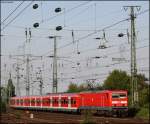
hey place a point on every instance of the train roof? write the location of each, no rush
(71, 94)
(51, 94)
(103, 91)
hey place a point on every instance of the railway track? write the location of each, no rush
(23, 117)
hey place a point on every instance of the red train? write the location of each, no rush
(107, 101)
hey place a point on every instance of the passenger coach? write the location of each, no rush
(107, 102)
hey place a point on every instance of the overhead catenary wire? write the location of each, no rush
(66, 11)
(105, 28)
(104, 55)
(12, 12)
(144, 11)
(84, 37)
(108, 65)
(93, 49)
(16, 16)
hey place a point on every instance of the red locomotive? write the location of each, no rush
(107, 101)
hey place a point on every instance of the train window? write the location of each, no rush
(118, 95)
(53, 101)
(21, 101)
(28, 101)
(65, 101)
(48, 101)
(61, 101)
(44, 101)
(56, 101)
(73, 101)
(115, 95)
(33, 101)
(17, 101)
(38, 101)
(122, 95)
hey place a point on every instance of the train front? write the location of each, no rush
(119, 102)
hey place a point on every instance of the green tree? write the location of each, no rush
(3, 99)
(4, 94)
(82, 87)
(10, 89)
(118, 80)
(73, 88)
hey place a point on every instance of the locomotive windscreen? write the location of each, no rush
(119, 95)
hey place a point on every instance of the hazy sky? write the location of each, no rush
(84, 18)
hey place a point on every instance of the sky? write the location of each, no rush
(87, 20)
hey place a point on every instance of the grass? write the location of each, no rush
(87, 117)
(143, 113)
(18, 116)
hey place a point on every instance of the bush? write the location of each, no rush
(143, 113)
(87, 117)
(3, 106)
(18, 116)
(132, 111)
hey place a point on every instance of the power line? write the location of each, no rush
(17, 15)
(142, 12)
(117, 52)
(93, 49)
(106, 66)
(82, 11)
(107, 27)
(111, 54)
(67, 11)
(12, 11)
(84, 37)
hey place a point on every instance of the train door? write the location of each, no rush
(51, 101)
(69, 102)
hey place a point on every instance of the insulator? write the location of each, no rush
(35, 6)
(26, 32)
(78, 52)
(87, 64)
(97, 57)
(72, 36)
(120, 35)
(78, 63)
(29, 32)
(128, 35)
(97, 38)
(104, 35)
(58, 9)
(35, 25)
(58, 28)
